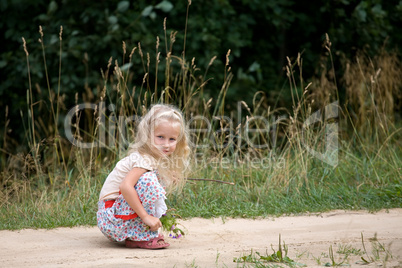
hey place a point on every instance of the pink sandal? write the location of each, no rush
(151, 244)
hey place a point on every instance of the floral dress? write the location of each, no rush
(118, 221)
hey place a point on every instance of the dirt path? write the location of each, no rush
(211, 242)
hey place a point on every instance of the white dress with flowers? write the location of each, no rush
(118, 221)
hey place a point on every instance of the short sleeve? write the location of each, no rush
(110, 188)
(141, 161)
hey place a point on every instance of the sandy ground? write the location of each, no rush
(213, 242)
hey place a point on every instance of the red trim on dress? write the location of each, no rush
(109, 204)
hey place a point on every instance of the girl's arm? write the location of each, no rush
(131, 196)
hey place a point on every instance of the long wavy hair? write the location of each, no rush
(172, 168)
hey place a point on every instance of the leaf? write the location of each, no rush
(112, 19)
(267, 258)
(279, 254)
(123, 6)
(165, 6)
(43, 17)
(52, 7)
(147, 11)
(115, 27)
(254, 67)
(54, 39)
(152, 15)
(363, 259)
(361, 14)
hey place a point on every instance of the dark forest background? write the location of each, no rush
(259, 33)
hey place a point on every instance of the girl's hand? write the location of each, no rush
(153, 222)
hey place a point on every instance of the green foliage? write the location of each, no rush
(255, 194)
(335, 263)
(261, 195)
(379, 252)
(171, 225)
(260, 34)
(279, 256)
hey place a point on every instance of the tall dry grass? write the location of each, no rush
(52, 169)
(373, 92)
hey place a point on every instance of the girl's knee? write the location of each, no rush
(149, 176)
(148, 188)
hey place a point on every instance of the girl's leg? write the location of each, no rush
(149, 190)
(119, 222)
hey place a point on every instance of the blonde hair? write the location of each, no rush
(172, 168)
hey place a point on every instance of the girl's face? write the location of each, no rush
(165, 136)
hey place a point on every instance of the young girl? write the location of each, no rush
(132, 198)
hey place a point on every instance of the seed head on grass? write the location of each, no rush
(212, 60)
(140, 50)
(24, 43)
(41, 31)
(327, 42)
(132, 53)
(227, 58)
(124, 48)
(61, 33)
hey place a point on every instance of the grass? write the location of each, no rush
(280, 256)
(378, 254)
(250, 197)
(335, 263)
(52, 183)
(259, 194)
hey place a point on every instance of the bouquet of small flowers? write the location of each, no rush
(170, 224)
